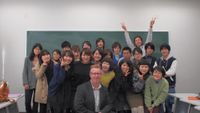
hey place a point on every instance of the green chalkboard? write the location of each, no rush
(51, 40)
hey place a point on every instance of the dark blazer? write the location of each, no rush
(84, 99)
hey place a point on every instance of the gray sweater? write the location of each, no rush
(28, 74)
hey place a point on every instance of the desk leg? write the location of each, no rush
(3, 110)
(13, 108)
(174, 106)
(181, 107)
(189, 108)
(193, 110)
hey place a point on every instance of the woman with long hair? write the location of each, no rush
(29, 79)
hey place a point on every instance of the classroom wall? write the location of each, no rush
(180, 18)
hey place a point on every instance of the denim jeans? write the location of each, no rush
(169, 101)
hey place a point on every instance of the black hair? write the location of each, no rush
(165, 45)
(100, 39)
(116, 44)
(57, 51)
(32, 54)
(126, 49)
(110, 61)
(143, 62)
(160, 69)
(86, 51)
(137, 49)
(88, 43)
(139, 38)
(70, 54)
(149, 44)
(66, 44)
(43, 52)
(76, 48)
(49, 70)
(108, 52)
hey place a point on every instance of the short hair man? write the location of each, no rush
(92, 97)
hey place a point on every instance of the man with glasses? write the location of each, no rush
(92, 97)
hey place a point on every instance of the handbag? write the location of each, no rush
(4, 91)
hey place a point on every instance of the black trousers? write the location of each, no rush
(43, 108)
(30, 96)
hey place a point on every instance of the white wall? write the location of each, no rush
(180, 18)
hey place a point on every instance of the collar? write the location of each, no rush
(96, 88)
(158, 81)
(169, 56)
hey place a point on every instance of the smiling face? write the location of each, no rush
(157, 75)
(85, 58)
(67, 59)
(56, 56)
(46, 58)
(97, 56)
(95, 75)
(125, 68)
(36, 51)
(105, 67)
(138, 42)
(144, 69)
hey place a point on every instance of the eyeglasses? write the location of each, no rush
(95, 73)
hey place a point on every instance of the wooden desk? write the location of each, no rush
(183, 105)
(11, 106)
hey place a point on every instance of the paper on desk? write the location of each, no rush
(193, 98)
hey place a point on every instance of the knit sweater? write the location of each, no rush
(155, 91)
(106, 78)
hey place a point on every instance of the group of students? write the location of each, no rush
(121, 80)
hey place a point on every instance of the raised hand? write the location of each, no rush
(141, 77)
(126, 73)
(152, 22)
(62, 62)
(124, 26)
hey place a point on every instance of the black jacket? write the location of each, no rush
(117, 91)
